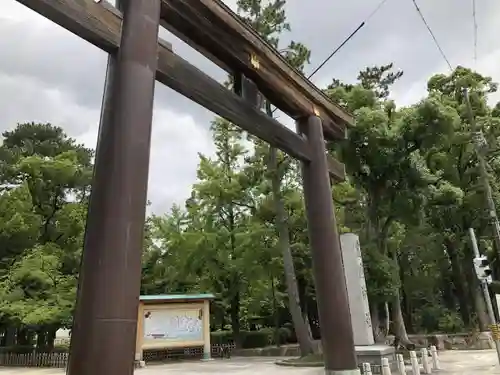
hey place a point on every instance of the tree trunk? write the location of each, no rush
(398, 321)
(449, 294)
(459, 281)
(312, 315)
(480, 306)
(10, 336)
(397, 313)
(378, 332)
(300, 326)
(404, 300)
(235, 302)
(306, 320)
(387, 318)
(30, 337)
(477, 298)
(22, 337)
(276, 318)
(51, 337)
(234, 309)
(41, 339)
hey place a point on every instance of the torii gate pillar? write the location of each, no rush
(333, 306)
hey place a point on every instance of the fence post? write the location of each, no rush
(386, 369)
(415, 366)
(367, 369)
(401, 364)
(425, 361)
(435, 358)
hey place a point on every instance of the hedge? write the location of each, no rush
(253, 339)
(250, 339)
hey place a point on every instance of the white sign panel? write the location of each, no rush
(173, 325)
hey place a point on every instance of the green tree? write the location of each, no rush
(462, 205)
(269, 19)
(46, 178)
(384, 158)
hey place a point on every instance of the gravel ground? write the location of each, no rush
(452, 363)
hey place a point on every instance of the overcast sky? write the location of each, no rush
(49, 75)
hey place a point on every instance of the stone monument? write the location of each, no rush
(366, 349)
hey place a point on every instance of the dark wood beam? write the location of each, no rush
(95, 22)
(187, 80)
(196, 47)
(336, 169)
(100, 24)
(210, 25)
(249, 91)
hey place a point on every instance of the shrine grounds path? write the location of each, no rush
(452, 363)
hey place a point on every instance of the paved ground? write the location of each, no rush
(452, 362)
(472, 362)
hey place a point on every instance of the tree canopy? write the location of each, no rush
(413, 190)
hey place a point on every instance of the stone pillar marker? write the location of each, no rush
(356, 290)
(359, 307)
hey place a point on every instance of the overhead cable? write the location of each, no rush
(432, 34)
(474, 20)
(373, 12)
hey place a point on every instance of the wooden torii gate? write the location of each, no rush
(103, 335)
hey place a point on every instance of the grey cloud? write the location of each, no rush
(23, 100)
(55, 58)
(176, 137)
(394, 34)
(176, 142)
(59, 59)
(48, 74)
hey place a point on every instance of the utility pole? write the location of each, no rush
(484, 286)
(481, 147)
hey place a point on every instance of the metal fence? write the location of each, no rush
(59, 360)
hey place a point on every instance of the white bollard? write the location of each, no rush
(401, 364)
(435, 358)
(367, 369)
(386, 369)
(415, 366)
(425, 361)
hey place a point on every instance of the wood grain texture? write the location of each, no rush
(93, 22)
(193, 45)
(249, 92)
(187, 80)
(100, 24)
(336, 169)
(211, 26)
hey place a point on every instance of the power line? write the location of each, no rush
(432, 34)
(336, 50)
(474, 19)
(373, 12)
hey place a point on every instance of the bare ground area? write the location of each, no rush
(452, 363)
